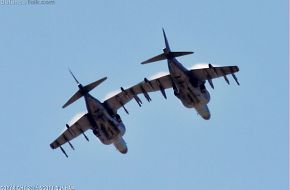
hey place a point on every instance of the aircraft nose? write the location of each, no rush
(124, 151)
(207, 117)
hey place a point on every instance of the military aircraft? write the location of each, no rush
(101, 118)
(188, 85)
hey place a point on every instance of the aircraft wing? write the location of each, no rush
(123, 97)
(72, 132)
(213, 72)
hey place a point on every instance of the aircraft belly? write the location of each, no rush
(105, 126)
(108, 131)
(186, 100)
(190, 97)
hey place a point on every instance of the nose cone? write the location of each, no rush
(120, 144)
(124, 151)
(206, 117)
(203, 111)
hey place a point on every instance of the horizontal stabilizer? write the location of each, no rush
(75, 97)
(164, 56)
(83, 90)
(154, 59)
(93, 85)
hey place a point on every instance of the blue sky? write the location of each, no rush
(243, 146)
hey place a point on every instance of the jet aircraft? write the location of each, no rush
(188, 85)
(106, 124)
(101, 118)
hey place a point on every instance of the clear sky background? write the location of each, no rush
(243, 146)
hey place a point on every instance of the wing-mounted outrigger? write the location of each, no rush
(159, 85)
(145, 93)
(207, 74)
(236, 79)
(162, 90)
(134, 94)
(218, 71)
(82, 89)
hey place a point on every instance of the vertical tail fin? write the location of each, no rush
(167, 48)
(167, 53)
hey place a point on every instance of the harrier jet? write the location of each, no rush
(188, 85)
(102, 118)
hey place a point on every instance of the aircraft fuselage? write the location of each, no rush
(188, 89)
(108, 128)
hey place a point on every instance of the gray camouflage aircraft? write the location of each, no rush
(101, 118)
(106, 124)
(188, 85)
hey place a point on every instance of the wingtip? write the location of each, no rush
(103, 79)
(65, 105)
(51, 146)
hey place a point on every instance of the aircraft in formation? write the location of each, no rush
(189, 85)
(105, 122)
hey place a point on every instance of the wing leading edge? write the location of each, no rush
(160, 84)
(123, 97)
